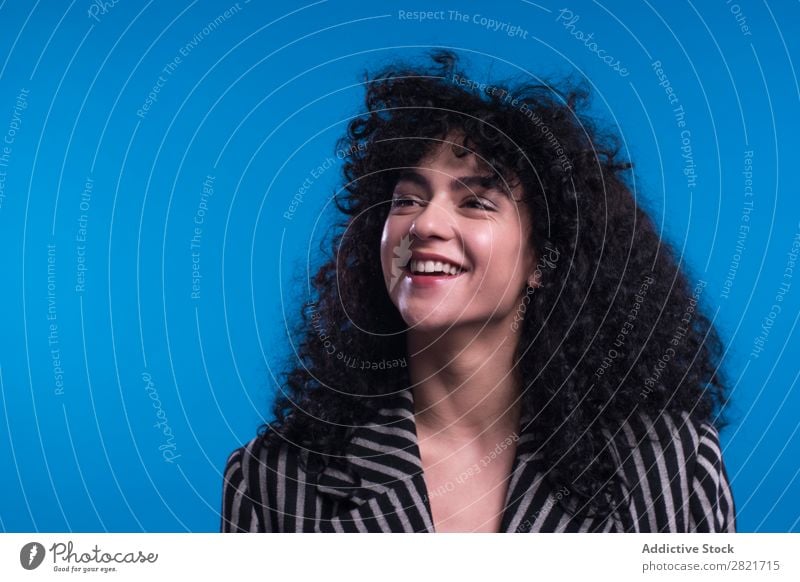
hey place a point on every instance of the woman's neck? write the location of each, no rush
(466, 389)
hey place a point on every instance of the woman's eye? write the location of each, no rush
(411, 201)
(403, 202)
(480, 204)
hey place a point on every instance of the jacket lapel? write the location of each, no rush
(380, 486)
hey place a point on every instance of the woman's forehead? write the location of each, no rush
(450, 153)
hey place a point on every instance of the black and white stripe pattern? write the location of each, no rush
(670, 470)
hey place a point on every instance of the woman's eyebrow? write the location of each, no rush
(474, 182)
(415, 178)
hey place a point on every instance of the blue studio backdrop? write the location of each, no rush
(166, 173)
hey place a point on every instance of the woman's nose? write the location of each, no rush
(433, 221)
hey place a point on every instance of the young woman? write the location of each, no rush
(499, 342)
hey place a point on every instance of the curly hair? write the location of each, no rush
(614, 329)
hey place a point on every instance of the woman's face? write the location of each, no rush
(454, 249)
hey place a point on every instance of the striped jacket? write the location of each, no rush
(673, 479)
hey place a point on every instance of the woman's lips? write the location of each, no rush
(425, 280)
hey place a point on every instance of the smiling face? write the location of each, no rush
(455, 250)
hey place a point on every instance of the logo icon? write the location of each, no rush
(31, 555)
(402, 254)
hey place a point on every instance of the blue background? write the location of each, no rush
(257, 102)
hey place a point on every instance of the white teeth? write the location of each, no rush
(433, 267)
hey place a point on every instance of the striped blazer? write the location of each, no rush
(673, 479)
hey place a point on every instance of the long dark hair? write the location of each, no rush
(615, 328)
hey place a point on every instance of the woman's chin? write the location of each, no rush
(427, 322)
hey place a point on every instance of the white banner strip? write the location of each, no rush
(390, 557)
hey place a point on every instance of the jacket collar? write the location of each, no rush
(383, 454)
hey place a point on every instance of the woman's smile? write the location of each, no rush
(431, 280)
(427, 270)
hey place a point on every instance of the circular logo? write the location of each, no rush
(31, 555)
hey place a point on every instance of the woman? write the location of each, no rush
(499, 340)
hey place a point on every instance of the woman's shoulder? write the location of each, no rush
(668, 434)
(240, 498)
(259, 454)
(673, 462)
(245, 455)
(251, 478)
